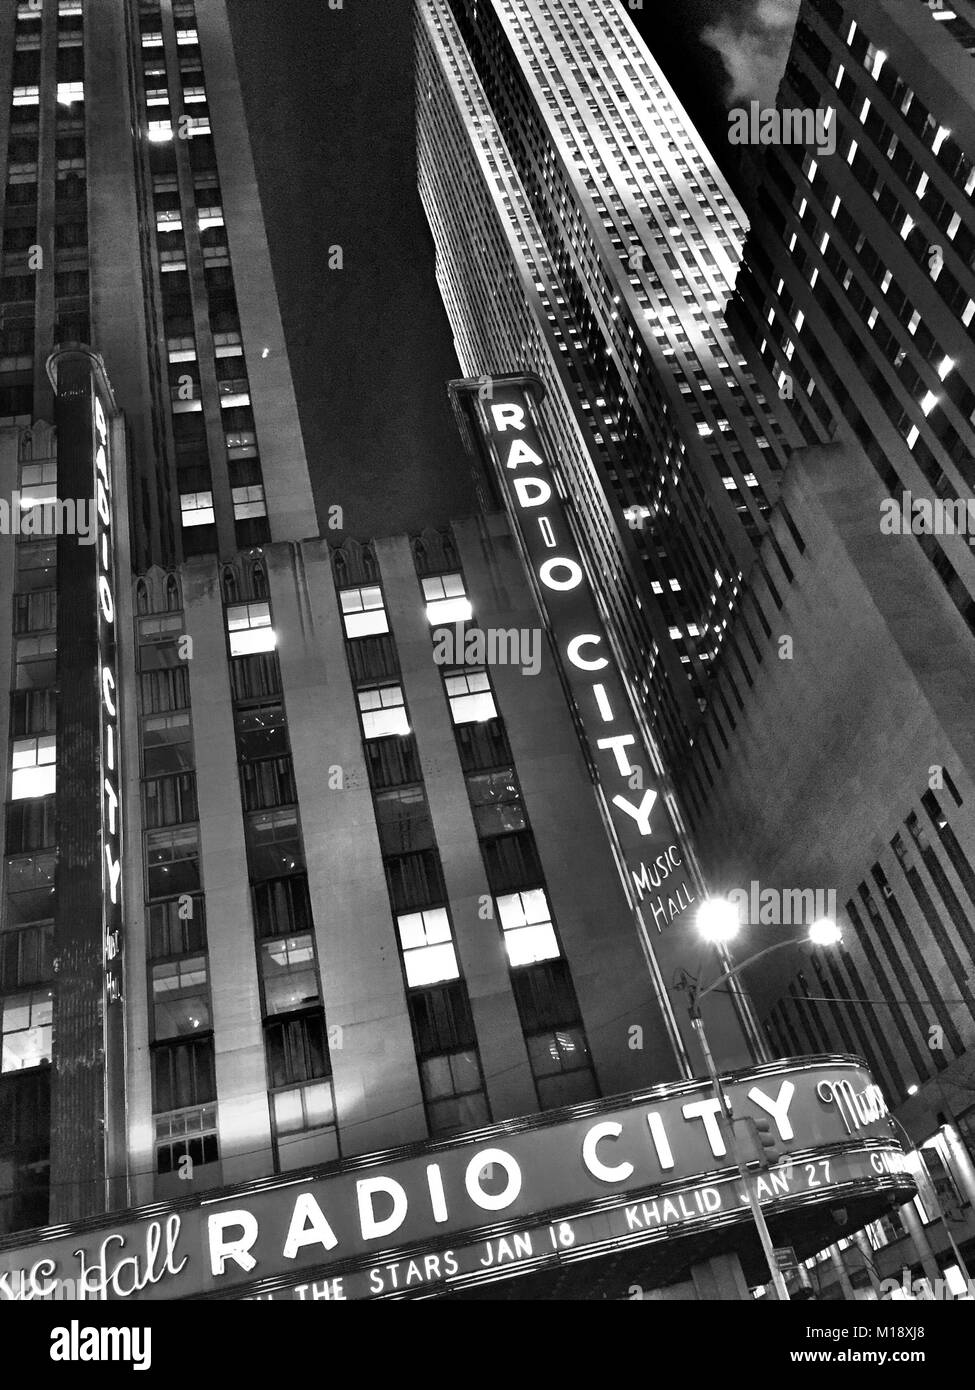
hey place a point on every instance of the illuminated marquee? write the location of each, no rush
(626, 1171)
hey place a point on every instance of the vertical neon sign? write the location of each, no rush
(111, 820)
(660, 887)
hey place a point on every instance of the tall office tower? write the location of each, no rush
(584, 232)
(120, 242)
(854, 766)
(278, 887)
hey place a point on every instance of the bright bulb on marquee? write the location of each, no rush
(825, 932)
(717, 920)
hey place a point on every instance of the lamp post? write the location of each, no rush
(718, 922)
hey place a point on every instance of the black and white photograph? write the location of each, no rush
(487, 508)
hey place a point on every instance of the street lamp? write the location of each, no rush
(718, 922)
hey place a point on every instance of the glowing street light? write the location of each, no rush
(825, 932)
(717, 920)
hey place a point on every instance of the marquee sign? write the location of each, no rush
(661, 889)
(528, 1193)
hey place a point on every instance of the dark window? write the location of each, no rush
(33, 712)
(483, 745)
(254, 677)
(165, 690)
(169, 800)
(262, 732)
(274, 847)
(403, 817)
(512, 862)
(282, 906)
(415, 881)
(270, 782)
(296, 1050)
(496, 802)
(31, 825)
(183, 1075)
(392, 762)
(26, 957)
(442, 1019)
(177, 927)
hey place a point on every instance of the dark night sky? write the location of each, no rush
(329, 94)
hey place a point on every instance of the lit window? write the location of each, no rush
(160, 131)
(526, 922)
(303, 1108)
(197, 508)
(289, 974)
(33, 767)
(181, 349)
(446, 599)
(248, 502)
(364, 612)
(249, 625)
(928, 402)
(26, 1030)
(186, 36)
(383, 711)
(428, 952)
(26, 96)
(152, 40)
(69, 92)
(469, 693)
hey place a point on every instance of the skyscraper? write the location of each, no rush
(584, 232)
(853, 767)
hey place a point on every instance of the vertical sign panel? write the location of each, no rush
(88, 910)
(659, 884)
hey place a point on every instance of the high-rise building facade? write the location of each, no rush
(853, 769)
(584, 232)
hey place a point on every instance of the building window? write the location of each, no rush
(446, 599)
(181, 997)
(26, 957)
(296, 1050)
(167, 743)
(169, 800)
(33, 767)
(526, 922)
(177, 927)
(428, 951)
(189, 1134)
(303, 1108)
(183, 1075)
(282, 907)
(454, 1092)
(248, 502)
(496, 802)
(561, 1067)
(249, 625)
(196, 509)
(470, 697)
(288, 974)
(172, 864)
(363, 611)
(383, 711)
(25, 1025)
(274, 844)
